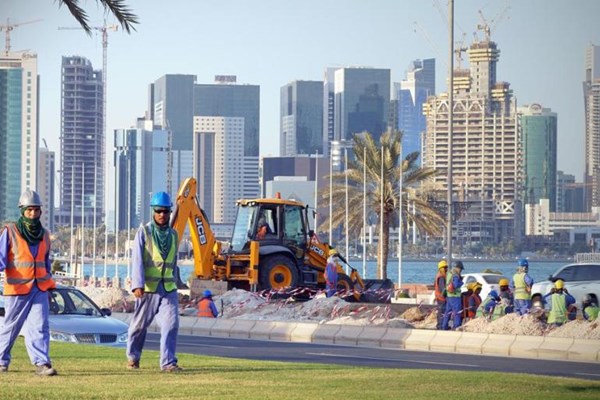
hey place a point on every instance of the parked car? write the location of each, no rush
(488, 282)
(75, 318)
(580, 279)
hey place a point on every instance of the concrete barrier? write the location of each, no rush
(543, 347)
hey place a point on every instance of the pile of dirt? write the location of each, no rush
(510, 324)
(414, 314)
(113, 298)
(578, 329)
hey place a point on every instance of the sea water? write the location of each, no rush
(411, 271)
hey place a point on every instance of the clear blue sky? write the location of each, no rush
(272, 42)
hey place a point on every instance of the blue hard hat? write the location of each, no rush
(523, 262)
(207, 293)
(493, 294)
(161, 199)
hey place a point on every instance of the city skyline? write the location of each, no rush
(271, 43)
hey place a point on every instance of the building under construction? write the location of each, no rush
(485, 150)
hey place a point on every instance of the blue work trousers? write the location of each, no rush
(522, 307)
(454, 311)
(163, 306)
(441, 311)
(31, 312)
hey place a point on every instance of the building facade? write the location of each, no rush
(82, 142)
(171, 107)
(142, 159)
(411, 94)
(538, 128)
(301, 123)
(18, 129)
(361, 102)
(46, 172)
(591, 99)
(486, 151)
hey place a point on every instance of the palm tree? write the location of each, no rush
(118, 8)
(426, 218)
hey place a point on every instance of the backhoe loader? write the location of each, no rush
(272, 247)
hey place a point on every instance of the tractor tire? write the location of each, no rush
(345, 289)
(277, 272)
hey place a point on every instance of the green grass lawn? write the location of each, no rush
(89, 372)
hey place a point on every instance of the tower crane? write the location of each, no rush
(488, 27)
(9, 27)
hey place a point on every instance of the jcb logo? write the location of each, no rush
(200, 229)
(317, 250)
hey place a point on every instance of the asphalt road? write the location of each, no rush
(373, 357)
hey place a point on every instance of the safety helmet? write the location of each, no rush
(523, 262)
(161, 199)
(458, 264)
(443, 264)
(559, 284)
(476, 286)
(30, 198)
(493, 294)
(207, 293)
(503, 282)
(473, 286)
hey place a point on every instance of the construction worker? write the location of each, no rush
(464, 298)
(472, 301)
(506, 295)
(561, 303)
(24, 258)
(590, 308)
(206, 306)
(487, 308)
(440, 291)
(453, 302)
(521, 284)
(331, 273)
(153, 281)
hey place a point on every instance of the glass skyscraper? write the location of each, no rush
(301, 110)
(538, 136)
(18, 129)
(410, 95)
(82, 141)
(361, 102)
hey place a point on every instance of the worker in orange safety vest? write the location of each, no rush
(206, 306)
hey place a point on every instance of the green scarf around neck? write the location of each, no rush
(162, 238)
(31, 229)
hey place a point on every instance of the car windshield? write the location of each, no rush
(492, 279)
(72, 301)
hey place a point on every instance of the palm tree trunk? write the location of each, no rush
(384, 247)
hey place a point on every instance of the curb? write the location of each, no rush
(534, 347)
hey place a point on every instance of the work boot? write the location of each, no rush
(172, 368)
(45, 370)
(3, 369)
(133, 364)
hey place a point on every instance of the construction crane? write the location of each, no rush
(488, 27)
(9, 27)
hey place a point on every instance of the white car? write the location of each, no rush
(487, 280)
(75, 318)
(580, 279)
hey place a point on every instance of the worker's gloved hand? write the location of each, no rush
(138, 292)
(553, 290)
(565, 291)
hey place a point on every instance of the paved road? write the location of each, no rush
(372, 357)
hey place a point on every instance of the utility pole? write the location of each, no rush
(9, 27)
(450, 123)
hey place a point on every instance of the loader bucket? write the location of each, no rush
(377, 291)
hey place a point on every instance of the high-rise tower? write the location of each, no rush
(486, 150)
(18, 129)
(410, 96)
(591, 98)
(301, 129)
(81, 141)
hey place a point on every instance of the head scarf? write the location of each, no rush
(30, 228)
(162, 238)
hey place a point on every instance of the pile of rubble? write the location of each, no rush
(240, 304)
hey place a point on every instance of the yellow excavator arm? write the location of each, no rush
(205, 246)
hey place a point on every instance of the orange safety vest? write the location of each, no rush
(204, 308)
(22, 269)
(439, 291)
